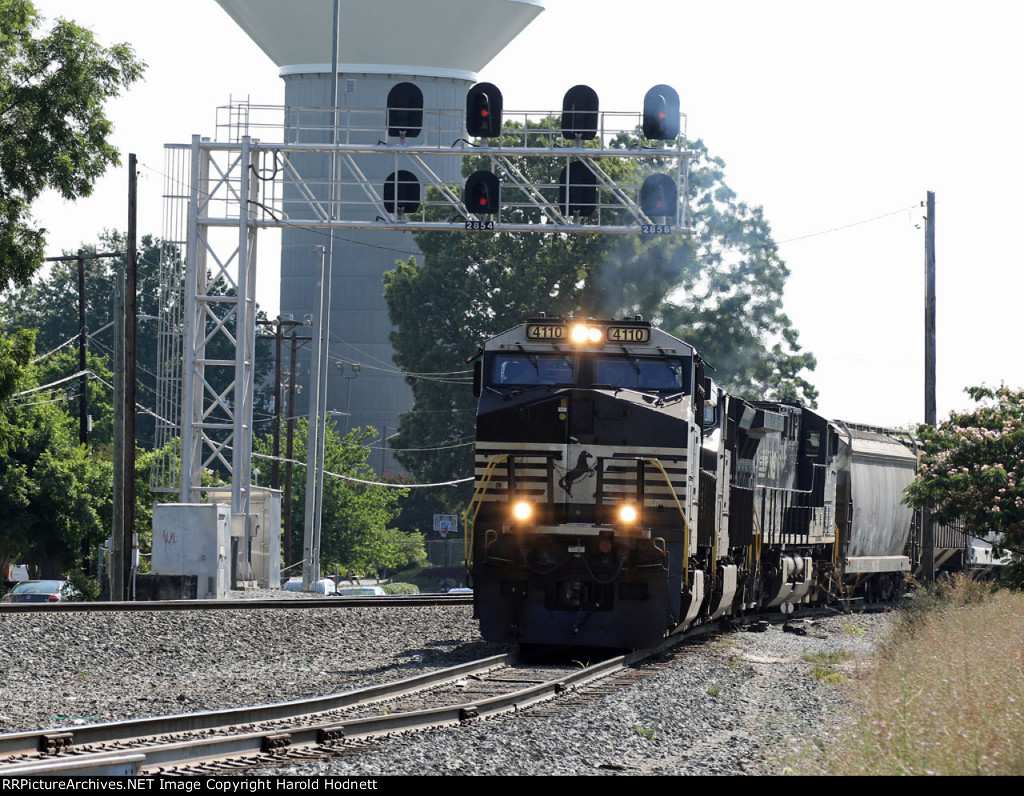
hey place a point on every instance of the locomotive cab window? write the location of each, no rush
(520, 369)
(643, 373)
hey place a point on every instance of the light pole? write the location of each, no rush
(348, 389)
(315, 431)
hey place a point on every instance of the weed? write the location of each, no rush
(827, 658)
(827, 675)
(853, 629)
(643, 732)
(582, 664)
(944, 694)
(714, 690)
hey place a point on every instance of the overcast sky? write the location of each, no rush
(836, 117)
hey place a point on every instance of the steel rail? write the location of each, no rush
(242, 604)
(261, 747)
(164, 758)
(54, 740)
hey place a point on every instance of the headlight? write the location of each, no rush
(627, 514)
(582, 333)
(522, 510)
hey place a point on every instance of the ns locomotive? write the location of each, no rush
(621, 495)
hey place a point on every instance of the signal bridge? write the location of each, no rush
(575, 171)
(536, 172)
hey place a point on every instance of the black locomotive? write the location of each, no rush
(621, 495)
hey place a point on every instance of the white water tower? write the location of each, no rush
(438, 45)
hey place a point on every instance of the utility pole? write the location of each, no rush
(83, 336)
(131, 281)
(929, 313)
(289, 452)
(930, 414)
(278, 325)
(289, 468)
(117, 510)
(83, 343)
(124, 542)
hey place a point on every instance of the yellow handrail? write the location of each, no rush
(686, 525)
(481, 488)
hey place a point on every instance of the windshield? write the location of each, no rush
(38, 587)
(642, 373)
(618, 371)
(533, 369)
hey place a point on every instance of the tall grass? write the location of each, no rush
(945, 696)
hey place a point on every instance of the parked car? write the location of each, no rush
(41, 591)
(323, 586)
(361, 591)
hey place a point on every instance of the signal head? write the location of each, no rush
(661, 114)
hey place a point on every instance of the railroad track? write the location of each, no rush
(240, 604)
(227, 741)
(283, 734)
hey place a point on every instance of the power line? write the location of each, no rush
(848, 226)
(389, 484)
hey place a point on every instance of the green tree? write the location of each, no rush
(973, 467)
(100, 400)
(50, 487)
(49, 304)
(356, 518)
(53, 128)
(720, 290)
(56, 497)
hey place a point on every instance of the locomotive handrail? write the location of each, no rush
(485, 479)
(686, 525)
(835, 547)
(754, 551)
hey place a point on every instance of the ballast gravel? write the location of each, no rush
(734, 704)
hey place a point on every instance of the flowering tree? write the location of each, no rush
(973, 466)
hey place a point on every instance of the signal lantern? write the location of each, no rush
(659, 196)
(579, 114)
(483, 193)
(577, 190)
(401, 192)
(405, 111)
(483, 111)
(661, 114)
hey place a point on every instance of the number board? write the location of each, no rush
(547, 331)
(629, 334)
